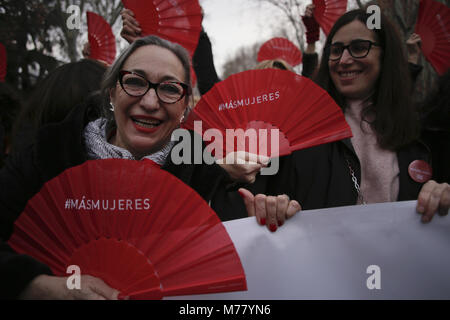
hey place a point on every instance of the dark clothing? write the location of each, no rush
(319, 177)
(310, 63)
(436, 133)
(203, 64)
(58, 147)
(439, 142)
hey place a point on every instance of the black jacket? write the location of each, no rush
(319, 177)
(56, 148)
(203, 64)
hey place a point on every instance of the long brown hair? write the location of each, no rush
(395, 121)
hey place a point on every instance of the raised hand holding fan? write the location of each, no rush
(433, 26)
(280, 48)
(175, 20)
(101, 38)
(132, 224)
(287, 112)
(3, 62)
(327, 12)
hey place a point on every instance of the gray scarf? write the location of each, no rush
(98, 147)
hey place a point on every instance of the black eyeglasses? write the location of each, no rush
(358, 49)
(136, 85)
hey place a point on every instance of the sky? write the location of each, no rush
(231, 24)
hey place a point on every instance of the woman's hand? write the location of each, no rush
(243, 166)
(55, 288)
(86, 50)
(434, 197)
(271, 211)
(130, 27)
(312, 27)
(309, 11)
(413, 46)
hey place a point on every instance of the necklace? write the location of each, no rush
(355, 183)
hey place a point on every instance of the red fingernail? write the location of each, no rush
(273, 228)
(241, 194)
(280, 223)
(425, 219)
(263, 221)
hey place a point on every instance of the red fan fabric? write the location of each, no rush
(132, 224)
(327, 12)
(433, 26)
(178, 21)
(280, 48)
(287, 112)
(101, 38)
(3, 62)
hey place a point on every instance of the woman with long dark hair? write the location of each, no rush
(366, 73)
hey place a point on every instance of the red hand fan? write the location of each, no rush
(327, 12)
(433, 26)
(304, 114)
(280, 48)
(3, 61)
(135, 226)
(175, 20)
(101, 38)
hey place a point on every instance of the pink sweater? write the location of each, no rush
(379, 167)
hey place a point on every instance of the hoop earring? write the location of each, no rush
(181, 120)
(112, 107)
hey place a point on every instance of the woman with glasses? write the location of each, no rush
(149, 91)
(366, 73)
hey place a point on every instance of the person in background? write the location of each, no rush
(435, 117)
(310, 57)
(276, 64)
(64, 88)
(10, 106)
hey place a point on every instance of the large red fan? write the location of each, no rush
(3, 63)
(101, 38)
(287, 112)
(327, 12)
(132, 224)
(280, 48)
(433, 26)
(179, 21)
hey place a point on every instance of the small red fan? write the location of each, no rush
(284, 112)
(101, 38)
(327, 12)
(132, 224)
(3, 62)
(178, 21)
(433, 26)
(280, 48)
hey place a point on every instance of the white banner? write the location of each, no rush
(379, 251)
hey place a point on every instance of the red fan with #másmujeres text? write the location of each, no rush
(132, 224)
(178, 21)
(267, 112)
(326, 12)
(433, 26)
(101, 38)
(280, 48)
(3, 62)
